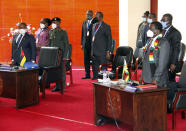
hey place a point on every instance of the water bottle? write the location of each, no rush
(104, 76)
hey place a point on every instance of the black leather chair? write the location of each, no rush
(112, 50)
(68, 63)
(122, 52)
(49, 64)
(179, 101)
(180, 58)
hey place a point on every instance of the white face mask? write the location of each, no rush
(149, 21)
(42, 26)
(143, 19)
(150, 34)
(22, 31)
(54, 26)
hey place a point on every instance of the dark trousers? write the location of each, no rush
(63, 75)
(87, 58)
(96, 62)
(172, 76)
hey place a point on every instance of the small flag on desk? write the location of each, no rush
(125, 73)
(23, 61)
(23, 58)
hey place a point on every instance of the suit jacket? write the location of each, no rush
(145, 38)
(103, 40)
(140, 42)
(174, 38)
(160, 70)
(28, 45)
(86, 40)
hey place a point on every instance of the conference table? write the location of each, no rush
(141, 111)
(20, 84)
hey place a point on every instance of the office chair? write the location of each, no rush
(68, 63)
(179, 101)
(180, 58)
(49, 64)
(122, 52)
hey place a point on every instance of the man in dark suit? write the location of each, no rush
(86, 42)
(23, 44)
(101, 44)
(174, 38)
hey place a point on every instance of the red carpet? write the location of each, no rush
(72, 111)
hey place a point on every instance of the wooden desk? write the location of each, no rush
(21, 85)
(143, 111)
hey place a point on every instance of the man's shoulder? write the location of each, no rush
(63, 31)
(105, 24)
(174, 30)
(163, 39)
(29, 35)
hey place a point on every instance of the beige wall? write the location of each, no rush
(136, 8)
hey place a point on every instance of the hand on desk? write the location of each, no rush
(172, 67)
(155, 82)
(108, 55)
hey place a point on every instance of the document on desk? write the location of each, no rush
(5, 67)
(130, 88)
(147, 87)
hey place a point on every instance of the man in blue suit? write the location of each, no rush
(23, 44)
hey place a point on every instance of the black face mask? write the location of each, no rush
(95, 20)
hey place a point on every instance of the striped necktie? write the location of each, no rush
(19, 40)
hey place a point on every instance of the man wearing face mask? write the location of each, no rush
(59, 38)
(42, 34)
(101, 44)
(156, 57)
(86, 42)
(139, 43)
(151, 18)
(174, 38)
(23, 44)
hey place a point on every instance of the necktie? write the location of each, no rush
(163, 33)
(97, 26)
(19, 40)
(88, 25)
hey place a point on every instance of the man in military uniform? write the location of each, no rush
(59, 38)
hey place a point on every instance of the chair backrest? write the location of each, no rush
(182, 52)
(69, 51)
(113, 46)
(122, 52)
(68, 56)
(181, 103)
(49, 56)
(182, 81)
